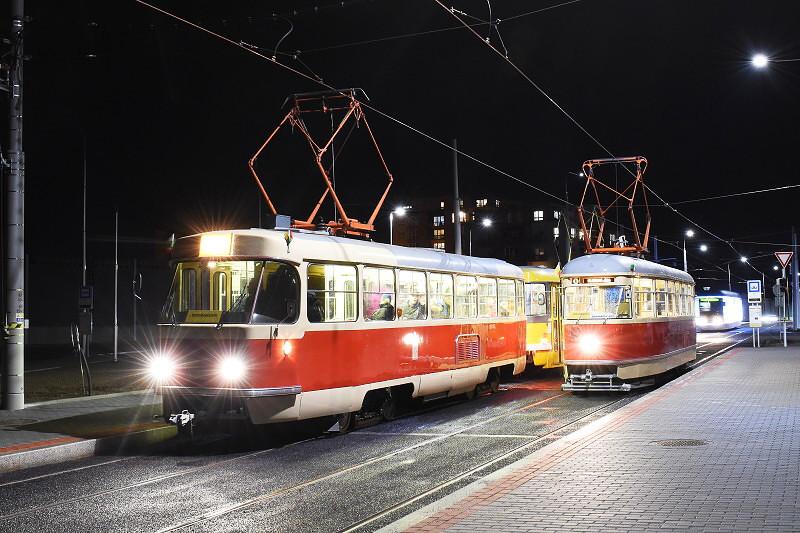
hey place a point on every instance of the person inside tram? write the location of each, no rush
(415, 310)
(386, 310)
(316, 313)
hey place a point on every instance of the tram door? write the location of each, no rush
(556, 326)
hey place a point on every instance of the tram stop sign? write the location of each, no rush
(754, 290)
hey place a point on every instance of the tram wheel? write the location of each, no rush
(346, 422)
(494, 380)
(390, 408)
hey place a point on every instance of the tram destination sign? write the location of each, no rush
(754, 290)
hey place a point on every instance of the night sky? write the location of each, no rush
(170, 115)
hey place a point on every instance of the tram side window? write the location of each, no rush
(411, 295)
(536, 304)
(466, 297)
(520, 298)
(332, 294)
(378, 293)
(506, 300)
(661, 297)
(487, 297)
(644, 298)
(441, 295)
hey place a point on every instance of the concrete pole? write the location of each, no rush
(685, 266)
(391, 227)
(116, 285)
(795, 281)
(456, 202)
(135, 295)
(14, 275)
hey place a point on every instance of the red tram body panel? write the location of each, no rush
(329, 324)
(625, 320)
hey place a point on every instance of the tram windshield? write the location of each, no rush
(593, 301)
(232, 292)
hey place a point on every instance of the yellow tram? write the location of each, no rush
(543, 313)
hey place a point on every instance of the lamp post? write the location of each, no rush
(688, 234)
(486, 222)
(399, 211)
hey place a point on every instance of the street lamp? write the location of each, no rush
(743, 259)
(688, 235)
(486, 223)
(400, 212)
(703, 247)
(759, 60)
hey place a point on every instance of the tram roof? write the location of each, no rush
(620, 265)
(307, 246)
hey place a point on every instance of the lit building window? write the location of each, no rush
(538, 216)
(572, 232)
(556, 214)
(438, 220)
(438, 233)
(555, 231)
(497, 203)
(539, 252)
(580, 234)
(480, 203)
(441, 205)
(612, 237)
(438, 245)
(462, 217)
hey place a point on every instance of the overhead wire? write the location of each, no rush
(572, 119)
(256, 51)
(434, 31)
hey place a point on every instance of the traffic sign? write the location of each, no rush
(784, 258)
(755, 316)
(754, 290)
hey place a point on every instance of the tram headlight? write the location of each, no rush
(287, 348)
(232, 369)
(161, 368)
(589, 343)
(716, 321)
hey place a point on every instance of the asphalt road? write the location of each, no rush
(301, 482)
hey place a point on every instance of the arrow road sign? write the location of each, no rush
(784, 258)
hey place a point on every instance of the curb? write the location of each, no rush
(143, 392)
(83, 448)
(453, 500)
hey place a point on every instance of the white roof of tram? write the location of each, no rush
(620, 265)
(306, 246)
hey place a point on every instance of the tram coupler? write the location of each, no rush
(588, 381)
(184, 421)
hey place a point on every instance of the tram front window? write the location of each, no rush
(232, 292)
(593, 302)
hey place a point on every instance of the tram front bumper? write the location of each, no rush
(594, 382)
(259, 406)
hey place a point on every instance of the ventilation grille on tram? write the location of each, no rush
(468, 348)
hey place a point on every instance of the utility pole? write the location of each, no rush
(795, 281)
(116, 284)
(14, 275)
(456, 202)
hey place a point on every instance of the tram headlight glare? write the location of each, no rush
(716, 321)
(161, 367)
(232, 368)
(589, 343)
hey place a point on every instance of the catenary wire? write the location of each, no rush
(256, 51)
(576, 123)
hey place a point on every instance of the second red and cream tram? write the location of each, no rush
(272, 326)
(625, 320)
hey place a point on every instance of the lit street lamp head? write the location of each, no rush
(759, 60)
(486, 222)
(703, 247)
(689, 233)
(399, 211)
(743, 259)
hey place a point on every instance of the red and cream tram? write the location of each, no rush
(275, 326)
(625, 320)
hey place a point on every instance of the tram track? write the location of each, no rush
(228, 461)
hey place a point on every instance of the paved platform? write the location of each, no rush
(59, 430)
(715, 450)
